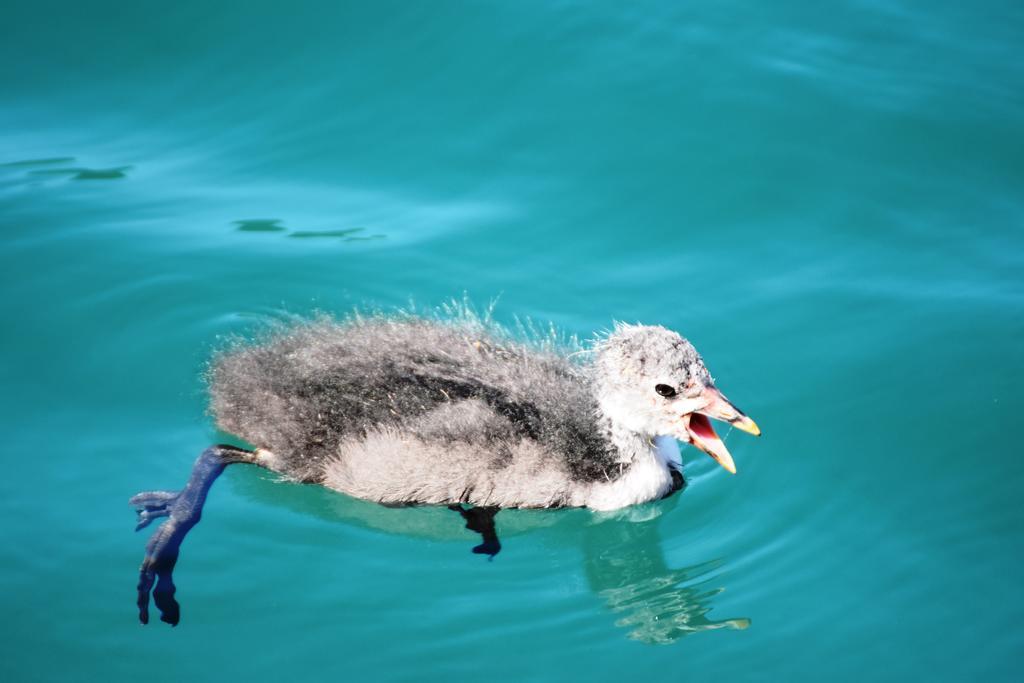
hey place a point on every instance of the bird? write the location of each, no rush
(420, 410)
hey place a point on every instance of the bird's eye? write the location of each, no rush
(665, 390)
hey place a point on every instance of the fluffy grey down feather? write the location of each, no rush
(417, 410)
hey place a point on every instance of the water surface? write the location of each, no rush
(825, 199)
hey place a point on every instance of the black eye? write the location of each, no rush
(665, 390)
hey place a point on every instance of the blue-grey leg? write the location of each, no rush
(183, 511)
(481, 520)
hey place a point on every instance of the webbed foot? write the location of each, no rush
(152, 505)
(481, 520)
(183, 511)
(158, 566)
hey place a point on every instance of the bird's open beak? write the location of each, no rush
(702, 435)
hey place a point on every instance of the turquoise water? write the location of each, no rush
(825, 198)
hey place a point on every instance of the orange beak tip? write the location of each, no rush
(748, 426)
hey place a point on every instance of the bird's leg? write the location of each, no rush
(183, 510)
(481, 520)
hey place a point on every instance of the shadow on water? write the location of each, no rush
(71, 172)
(306, 234)
(37, 162)
(85, 173)
(260, 225)
(623, 559)
(275, 225)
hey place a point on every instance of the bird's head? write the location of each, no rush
(652, 381)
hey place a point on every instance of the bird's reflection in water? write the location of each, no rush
(625, 565)
(622, 551)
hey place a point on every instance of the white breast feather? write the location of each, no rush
(648, 478)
